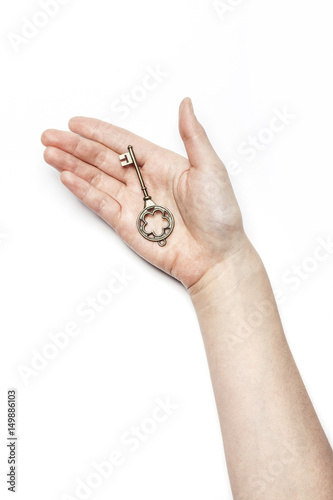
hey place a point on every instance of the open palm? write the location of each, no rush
(197, 190)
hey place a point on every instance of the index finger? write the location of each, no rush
(115, 138)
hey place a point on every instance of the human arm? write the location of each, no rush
(264, 410)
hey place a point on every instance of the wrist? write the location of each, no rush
(222, 279)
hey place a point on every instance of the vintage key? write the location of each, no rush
(150, 207)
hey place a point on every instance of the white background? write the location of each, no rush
(238, 67)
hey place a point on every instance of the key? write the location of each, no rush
(150, 207)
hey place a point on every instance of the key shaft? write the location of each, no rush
(143, 187)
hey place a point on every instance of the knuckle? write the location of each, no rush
(100, 157)
(76, 165)
(100, 205)
(87, 194)
(96, 132)
(76, 145)
(195, 134)
(96, 179)
(96, 203)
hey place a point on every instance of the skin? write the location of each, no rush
(274, 444)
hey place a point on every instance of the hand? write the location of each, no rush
(208, 224)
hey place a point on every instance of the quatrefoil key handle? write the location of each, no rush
(150, 207)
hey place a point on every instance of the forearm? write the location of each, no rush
(268, 423)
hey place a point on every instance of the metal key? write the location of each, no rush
(150, 207)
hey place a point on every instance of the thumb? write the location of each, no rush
(199, 150)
